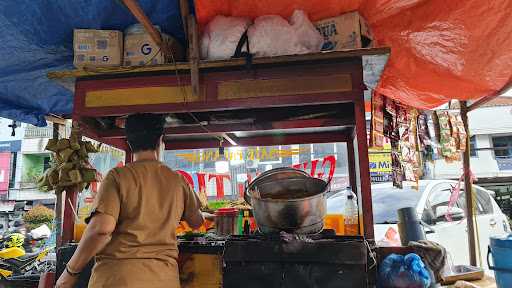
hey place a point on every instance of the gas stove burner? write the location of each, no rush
(326, 234)
(295, 261)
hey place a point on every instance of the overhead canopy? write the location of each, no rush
(441, 50)
(37, 37)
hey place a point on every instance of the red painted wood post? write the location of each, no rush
(47, 280)
(363, 170)
(68, 224)
(58, 200)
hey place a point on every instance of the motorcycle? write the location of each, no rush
(16, 263)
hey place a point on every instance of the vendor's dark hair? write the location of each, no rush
(143, 131)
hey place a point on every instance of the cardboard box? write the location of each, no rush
(140, 50)
(347, 31)
(97, 48)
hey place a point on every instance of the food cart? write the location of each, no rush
(281, 95)
(275, 98)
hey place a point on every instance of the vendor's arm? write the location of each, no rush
(191, 207)
(96, 237)
(102, 224)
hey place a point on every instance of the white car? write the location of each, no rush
(431, 203)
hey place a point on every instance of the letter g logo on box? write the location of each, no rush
(145, 49)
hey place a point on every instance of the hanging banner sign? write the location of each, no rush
(380, 166)
(5, 172)
(10, 146)
(380, 162)
(320, 168)
(258, 153)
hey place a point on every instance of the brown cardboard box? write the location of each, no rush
(97, 48)
(140, 50)
(347, 31)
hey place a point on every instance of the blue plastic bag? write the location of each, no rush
(397, 271)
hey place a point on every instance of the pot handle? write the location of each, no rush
(247, 195)
(327, 185)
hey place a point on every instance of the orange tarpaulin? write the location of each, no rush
(440, 49)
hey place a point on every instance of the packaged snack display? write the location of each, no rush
(449, 145)
(458, 130)
(377, 124)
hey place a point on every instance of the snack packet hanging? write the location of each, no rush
(448, 143)
(377, 123)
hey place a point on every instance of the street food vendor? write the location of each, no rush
(132, 229)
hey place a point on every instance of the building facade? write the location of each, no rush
(22, 160)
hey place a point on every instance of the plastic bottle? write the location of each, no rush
(334, 219)
(351, 215)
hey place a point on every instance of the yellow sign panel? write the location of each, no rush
(380, 162)
(251, 88)
(139, 96)
(262, 154)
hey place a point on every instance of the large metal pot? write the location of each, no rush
(270, 176)
(294, 205)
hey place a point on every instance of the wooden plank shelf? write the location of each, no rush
(204, 65)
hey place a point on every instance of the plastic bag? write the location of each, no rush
(41, 232)
(271, 35)
(306, 33)
(221, 36)
(397, 271)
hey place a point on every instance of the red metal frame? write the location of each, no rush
(352, 132)
(211, 81)
(324, 137)
(229, 128)
(363, 182)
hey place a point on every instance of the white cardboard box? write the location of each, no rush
(140, 50)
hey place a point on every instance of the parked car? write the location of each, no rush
(431, 201)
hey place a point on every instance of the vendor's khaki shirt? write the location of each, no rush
(148, 200)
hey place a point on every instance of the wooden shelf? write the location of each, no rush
(204, 65)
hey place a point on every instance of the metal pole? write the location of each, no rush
(468, 187)
(486, 99)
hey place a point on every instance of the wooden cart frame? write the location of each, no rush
(266, 90)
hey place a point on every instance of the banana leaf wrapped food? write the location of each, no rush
(70, 164)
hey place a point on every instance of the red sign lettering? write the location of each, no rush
(219, 181)
(328, 162)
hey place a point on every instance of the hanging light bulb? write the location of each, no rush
(221, 166)
(221, 148)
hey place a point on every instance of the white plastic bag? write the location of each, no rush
(307, 35)
(271, 35)
(221, 37)
(41, 232)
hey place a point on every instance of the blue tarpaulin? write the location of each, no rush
(37, 37)
(462, 51)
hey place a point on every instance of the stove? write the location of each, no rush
(295, 261)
